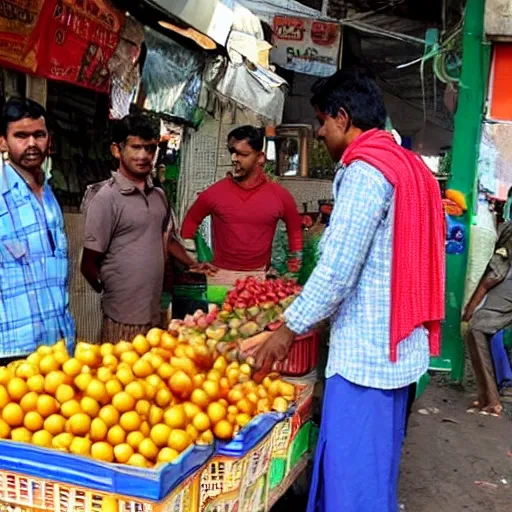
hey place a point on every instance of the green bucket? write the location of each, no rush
(216, 294)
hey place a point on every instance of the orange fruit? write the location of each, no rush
(29, 401)
(47, 405)
(175, 417)
(136, 389)
(110, 415)
(82, 381)
(110, 362)
(4, 397)
(148, 449)
(214, 375)
(142, 369)
(179, 440)
(191, 409)
(123, 402)
(220, 364)
(160, 434)
(145, 428)
(53, 380)
(181, 385)
(242, 419)
(125, 375)
(99, 430)
(212, 389)
(5, 375)
(154, 336)
(67, 409)
(155, 381)
(168, 342)
(205, 438)
(97, 390)
(12, 414)
(216, 412)
(280, 404)
(156, 415)
(42, 438)
(138, 460)
(130, 421)
(90, 406)
(62, 441)
(80, 446)
(141, 344)
(130, 357)
(79, 424)
(201, 422)
(48, 364)
(21, 435)
(143, 407)
(36, 383)
(17, 389)
(234, 396)
(192, 432)
(89, 357)
(223, 430)
(200, 398)
(26, 370)
(167, 454)
(102, 451)
(55, 424)
(116, 435)
(155, 361)
(113, 387)
(134, 439)
(245, 406)
(122, 346)
(5, 429)
(122, 453)
(165, 371)
(163, 398)
(106, 349)
(64, 393)
(72, 367)
(33, 421)
(150, 391)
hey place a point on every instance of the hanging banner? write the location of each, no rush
(18, 22)
(77, 40)
(306, 46)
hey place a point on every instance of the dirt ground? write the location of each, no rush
(452, 462)
(455, 461)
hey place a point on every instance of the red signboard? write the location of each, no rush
(68, 40)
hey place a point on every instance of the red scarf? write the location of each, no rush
(418, 268)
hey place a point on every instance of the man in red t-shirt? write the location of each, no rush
(245, 208)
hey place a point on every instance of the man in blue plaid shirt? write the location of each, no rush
(34, 298)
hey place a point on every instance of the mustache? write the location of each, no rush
(33, 152)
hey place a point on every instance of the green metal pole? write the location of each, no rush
(466, 140)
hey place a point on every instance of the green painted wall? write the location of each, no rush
(468, 121)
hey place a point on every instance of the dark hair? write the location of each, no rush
(254, 136)
(17, 109)
(134, 125)
(354, 92)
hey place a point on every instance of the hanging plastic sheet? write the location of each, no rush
(171, 76)
(124, 68)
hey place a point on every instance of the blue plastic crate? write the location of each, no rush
(148, 484)
(251, 435)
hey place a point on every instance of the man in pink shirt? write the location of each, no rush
(245, 208)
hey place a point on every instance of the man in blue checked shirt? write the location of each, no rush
(34, 299)
(367, 388)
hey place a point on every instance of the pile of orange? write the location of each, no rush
(140, 403)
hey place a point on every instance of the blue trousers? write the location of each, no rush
(357, 461)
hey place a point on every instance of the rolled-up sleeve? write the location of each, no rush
(362, 200)
(99, 223)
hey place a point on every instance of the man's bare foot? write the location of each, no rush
(495, 410)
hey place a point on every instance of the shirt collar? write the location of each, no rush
(128, 187)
